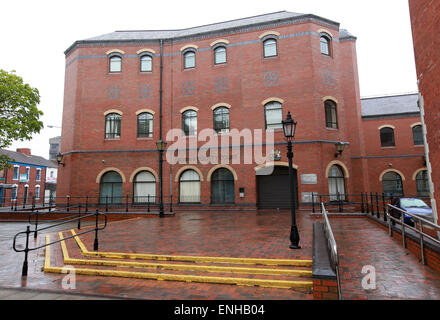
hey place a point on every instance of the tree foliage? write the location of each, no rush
(19, 115)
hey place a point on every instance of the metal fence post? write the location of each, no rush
(402, 221)
(422, 253)
(87, 203)
(372, 203)
(36, 225)
(68, 203)
(50, 201)
(385, 218)
(377, 206)
(126, 203)
(171, 203)
(79, 217)
(95, 243)
(362, 203)
(33, 204)
(148, 202)
(390, 230)
(313, 202)
(24, 271)
(106, 203)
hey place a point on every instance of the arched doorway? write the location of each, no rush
(144, 187)
(336, 183)
(110, 188)
(274, 188)
(222, 186)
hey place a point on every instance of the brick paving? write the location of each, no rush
(234, 234)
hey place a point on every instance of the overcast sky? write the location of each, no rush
(35, 34)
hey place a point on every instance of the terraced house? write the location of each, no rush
(24, 182)
(126, 90)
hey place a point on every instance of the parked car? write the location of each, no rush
(414, 206)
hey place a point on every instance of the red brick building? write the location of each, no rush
(126, 90)
(24, 182)
(425, 23)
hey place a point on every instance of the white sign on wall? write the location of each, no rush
(309, 179)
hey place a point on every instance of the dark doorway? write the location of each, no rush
(274, 190)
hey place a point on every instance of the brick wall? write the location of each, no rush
(425, 24)
(299, 75)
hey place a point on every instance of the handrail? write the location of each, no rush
(332, 246)
(418, 231)
(28, 231)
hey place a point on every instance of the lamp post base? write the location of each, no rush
(294, 238)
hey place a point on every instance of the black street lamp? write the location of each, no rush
(59, 158)
(161, 146)
(340, 146)
(289, 127)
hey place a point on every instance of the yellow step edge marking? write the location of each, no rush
(121, 255)
(67, 260)
(171, 277)
(47, 255)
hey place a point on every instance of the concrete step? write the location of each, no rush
(221, 270)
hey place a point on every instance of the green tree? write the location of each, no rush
(19, 115)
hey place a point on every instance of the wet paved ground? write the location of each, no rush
(399, 275)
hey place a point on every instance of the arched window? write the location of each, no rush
(270, 48)
(220, 55)
(417, 135)
(273, 115)
(145, 125)
(221, 119)
(189, 123)
(115, 64)
(392, 184)
(336, 183)
(325, 44)
(422, 184)
(331, 115)
(144, 187)
(112, 126)
(110, 188)
(189, 59)
(146, 63)
(190, 187)
(387, 137)
(222, 186)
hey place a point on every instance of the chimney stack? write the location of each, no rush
(25, 151)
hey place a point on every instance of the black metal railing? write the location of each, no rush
(27, 249)
(373, 203)
(126, 203)
(332, 246)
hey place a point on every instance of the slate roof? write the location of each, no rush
(23, 158)
(254, 21)
(390, 105)
(177, 33)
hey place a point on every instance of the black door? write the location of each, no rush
(274, 190)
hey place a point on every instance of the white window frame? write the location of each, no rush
(18, 172)
(37, 194)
